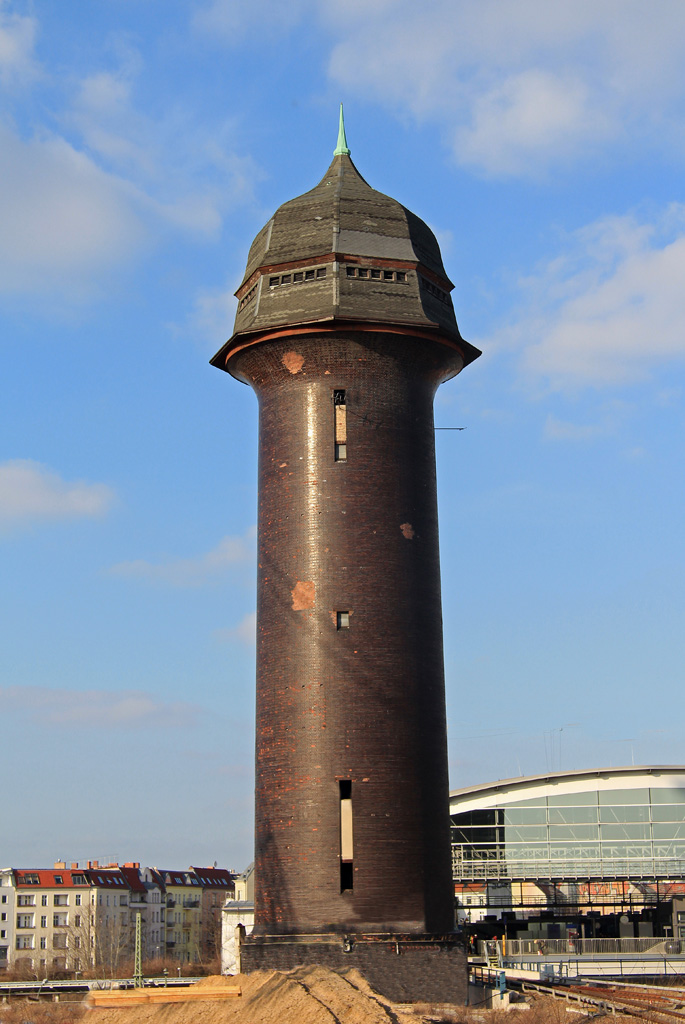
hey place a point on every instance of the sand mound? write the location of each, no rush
(307, 995)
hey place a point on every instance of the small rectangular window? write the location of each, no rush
(363, 272)
(340, 424)
(286, 279)
(375, 274)
(273, 282)
(387, 275)
(321, 272)
(351, 271)
(297, 277)
(346, 836)
(309, 275)
(343, 620)
(401, 276)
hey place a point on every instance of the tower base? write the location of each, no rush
(403, 968)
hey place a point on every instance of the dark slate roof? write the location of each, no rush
(345, 252)
(344, 215)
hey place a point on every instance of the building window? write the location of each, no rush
(26, 901)
(43, 942)
(24, 941)
(43, 901)
(3, 917)
(77, 900)
(24, 920)
(77, 921)
(343, 620)
(59, 920)
(60, 900)
(58, 879)
(340, 425)
(346, 836)
(44, 921)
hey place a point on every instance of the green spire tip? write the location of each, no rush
(342, 149)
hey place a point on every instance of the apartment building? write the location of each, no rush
(7, 898)
(79, 918)
(216, 886)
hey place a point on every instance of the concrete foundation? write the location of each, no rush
(403, 968)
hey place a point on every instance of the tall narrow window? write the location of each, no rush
(340, 425)
(346, 836)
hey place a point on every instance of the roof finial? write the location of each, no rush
(342, 149)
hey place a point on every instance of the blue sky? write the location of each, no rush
(142, 146)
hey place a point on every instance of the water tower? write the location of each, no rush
(345, 328)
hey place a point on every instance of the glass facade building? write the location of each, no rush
(618, 823)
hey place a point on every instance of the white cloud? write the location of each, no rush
(96, 708)
(77, 203)
(30, 491)
(63, 218)
(232, 20)
(522, 87)
(609, 309)
(561, 430)
(17, 38)
(245, 632)
(214, 313)
(192, 572)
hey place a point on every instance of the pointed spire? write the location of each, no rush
(342, 149)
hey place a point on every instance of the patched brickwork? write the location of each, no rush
(366, 703)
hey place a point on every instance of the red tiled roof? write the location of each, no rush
(49, 878)
(133, 879)
(214, 878)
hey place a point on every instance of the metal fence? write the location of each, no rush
(657, 946)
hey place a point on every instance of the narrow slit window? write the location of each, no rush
(346, 836)
(343, 620)
(340, 425)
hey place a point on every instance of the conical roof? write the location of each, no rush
(345, 252)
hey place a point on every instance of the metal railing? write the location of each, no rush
(465, 870)
(656, 945)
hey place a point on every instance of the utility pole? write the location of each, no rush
(138, 961)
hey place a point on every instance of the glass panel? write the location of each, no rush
(571, 832)
(638, 813)
(534, 851)
(572, 815)
(626, 832)
(675, 851)
(675, 831)
(572, 799)
(537, 801)
(668, 812)
(624, 796)
(668, 796)
(626, 851)
(526, 834)
(568, 851)
(525, 815)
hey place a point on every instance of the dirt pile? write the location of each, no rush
(307, 995)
